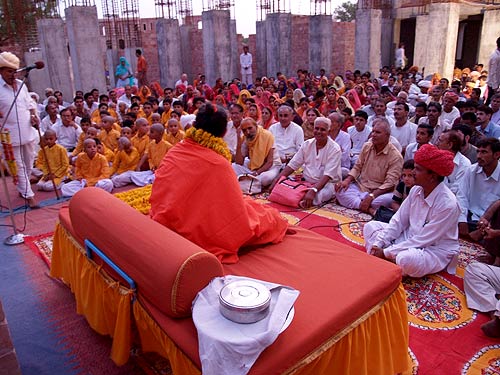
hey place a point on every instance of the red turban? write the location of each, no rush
(438, 161)
(452, 96)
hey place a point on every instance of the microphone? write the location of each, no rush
(36, 65)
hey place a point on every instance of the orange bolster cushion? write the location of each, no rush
(168, 269)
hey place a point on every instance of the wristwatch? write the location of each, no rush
(314, 189)
(371, 195)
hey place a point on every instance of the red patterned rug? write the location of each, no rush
(445, 336)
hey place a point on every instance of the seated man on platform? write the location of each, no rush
(479, 187)
(372, 180)
(422, 237)
(256, 154)
(320, 157)
(196, 177)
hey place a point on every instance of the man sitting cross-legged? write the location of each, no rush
(256, 154)
(321, 158)
(422, 237)
(372, 180)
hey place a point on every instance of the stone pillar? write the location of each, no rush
(185, 32)
(169, 46)
(421, 39)
(441, 42)
(386, 41)
(320, 43)
(490, 31)
(217, 45)
(278, 42)
(85, 48)
(112, 63)
(260, 55)
(368, 55)
(38, 79)
(54, 45)
(235, 55)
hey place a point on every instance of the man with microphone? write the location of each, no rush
(19, 122)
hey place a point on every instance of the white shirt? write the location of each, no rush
(450, 117)
(181, 82)
(461, 165)
(19, 120)
(404, 134)
(231, 137)
(344, 141)
(326, 162)
(67, 136)
(288, 140)
(246, 62)
(46, 123)
(410, 151)
(438, 129)
(358, 139)
(368, 110)
(428, 223)
(476, 191)
(494, 70)
(495, 118)
(125, 99)
(372, 117)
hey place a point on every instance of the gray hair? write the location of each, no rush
(337, 117)
(323, 120)
(382, 121)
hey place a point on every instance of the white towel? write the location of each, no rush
(229, 348)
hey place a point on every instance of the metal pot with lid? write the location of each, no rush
(244, 301)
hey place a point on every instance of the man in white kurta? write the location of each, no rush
(19, 123)
(246, 66)
(288, 135)
(422, 237)
(320, 156)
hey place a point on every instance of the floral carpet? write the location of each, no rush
(445, 336)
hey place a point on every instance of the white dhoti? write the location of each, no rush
(46, 185)
(325, 194)
(142, 178)
(25, 157)
(71, 188)
(352, 197)
(481, 285)
(415, 262)
(122, 179)
(265, 178)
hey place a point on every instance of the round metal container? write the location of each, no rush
(244, 301)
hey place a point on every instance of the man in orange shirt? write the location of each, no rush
(142, 68)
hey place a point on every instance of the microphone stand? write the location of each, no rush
(16, 238)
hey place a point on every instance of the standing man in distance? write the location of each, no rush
(142, 68)
(494, 73)
(20, 123)
(246, 66)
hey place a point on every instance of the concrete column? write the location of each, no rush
(112, 63)
(54, 45)
(85, 50)
(442, 40)
(38, 79)
(261, 48)
(169, 46)
(421, 40)
(278, 41)
(235, 56)
(185, 31)
(368, 55)
(386, 41)
(320, 43)
(490, 31)
(217, 45)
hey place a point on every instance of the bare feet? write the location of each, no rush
(32, 203)
(492, 328)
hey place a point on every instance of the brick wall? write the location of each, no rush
(300, 44)
(343, 46)
(197, 61)
(150, 48)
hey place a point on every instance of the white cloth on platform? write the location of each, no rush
(229, 348)
(481, 285)
(142, 178)
(422, 236)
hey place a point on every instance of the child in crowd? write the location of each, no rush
(109, 136)
(400, 193)
(359, 134)
(156, 118)
(125, 162)
(423, 136)
(155, 151)
(173, 133)
(84, 124)
(141, 140)
(104, 151)
(125, 132)
(57, 162)
(167, 110)
(91, 169)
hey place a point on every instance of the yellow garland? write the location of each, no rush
(137, 198)
(208, 140)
